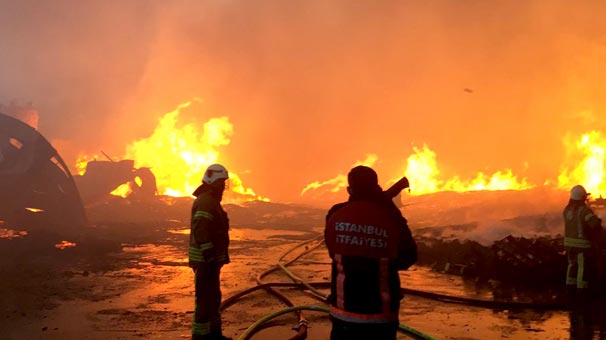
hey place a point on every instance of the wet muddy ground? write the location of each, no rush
(131, 281)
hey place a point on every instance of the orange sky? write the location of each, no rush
(312, 87)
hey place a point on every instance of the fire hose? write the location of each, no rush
(311, 287)
(298, 282)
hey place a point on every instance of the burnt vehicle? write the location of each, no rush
(37, 189)
(101, 178)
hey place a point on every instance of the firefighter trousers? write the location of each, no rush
(207, 319)
(581, 272)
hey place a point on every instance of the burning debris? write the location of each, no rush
(102, 178)
(36, 188)
(11, 234)
(64, 245)
(178, 150)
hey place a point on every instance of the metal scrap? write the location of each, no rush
(36, 187)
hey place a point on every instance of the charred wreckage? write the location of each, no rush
(37, 190)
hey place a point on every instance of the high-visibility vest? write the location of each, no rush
(576, 233)
(209, 220)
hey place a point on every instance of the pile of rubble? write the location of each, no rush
(539, 261)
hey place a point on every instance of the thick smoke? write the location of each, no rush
(76, 62)
(312, 86)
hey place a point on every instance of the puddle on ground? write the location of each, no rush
(172, 288)
(150, 295)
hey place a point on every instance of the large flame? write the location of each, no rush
(338, 182)
(178, 154)
(423, 173)
(588, 153)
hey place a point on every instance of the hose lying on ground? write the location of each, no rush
(312, 288)
(302, 325)
(409, 331)
(492, 304)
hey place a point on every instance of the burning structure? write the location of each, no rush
(36, 187)
(101, 178)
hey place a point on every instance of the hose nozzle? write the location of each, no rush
(397, 187)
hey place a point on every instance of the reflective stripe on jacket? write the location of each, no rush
(209, 238)
(577, 233)
(365, 240)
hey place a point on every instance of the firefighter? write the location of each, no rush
(208, 243)
(583, 231)
(368, 241)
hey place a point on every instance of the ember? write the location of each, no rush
(10, 234)
(64, 245)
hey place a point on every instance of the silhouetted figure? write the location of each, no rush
(582, 237)
(209, 241)
(368, 241)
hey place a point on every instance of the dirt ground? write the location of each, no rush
(129, 280)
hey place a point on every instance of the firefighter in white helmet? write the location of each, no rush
(583, 231)
(209, 241)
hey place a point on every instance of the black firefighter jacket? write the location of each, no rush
(368, 242)
(209, 238)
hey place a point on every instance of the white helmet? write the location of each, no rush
(578, 193)
(214, 173)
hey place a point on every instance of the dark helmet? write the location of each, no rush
(578, 193)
